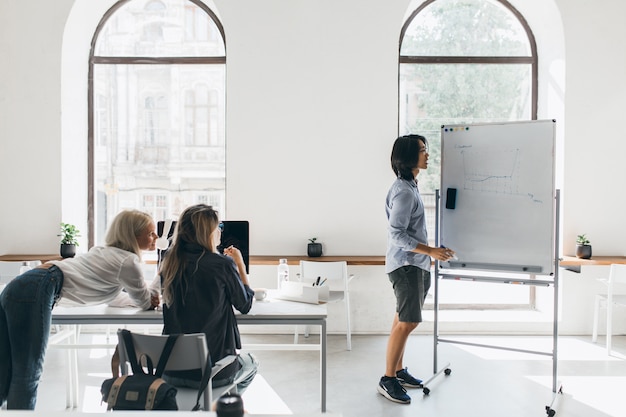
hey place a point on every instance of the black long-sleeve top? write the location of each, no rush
(203, 302)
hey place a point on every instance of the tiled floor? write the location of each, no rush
(483, 382)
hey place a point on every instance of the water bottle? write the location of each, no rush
(25, 267)
(283, 272)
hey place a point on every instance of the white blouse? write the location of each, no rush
(99, 276)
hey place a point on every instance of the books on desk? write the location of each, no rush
(303, 292)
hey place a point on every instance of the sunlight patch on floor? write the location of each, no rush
(604, 394)
(260, 398)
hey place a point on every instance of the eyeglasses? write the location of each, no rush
(221, 226)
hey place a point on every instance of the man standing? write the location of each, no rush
(407, 261)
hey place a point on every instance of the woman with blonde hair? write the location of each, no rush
(95, 277)
(200, 289)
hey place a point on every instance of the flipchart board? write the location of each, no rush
(497, 207)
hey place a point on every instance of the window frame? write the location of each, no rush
(127, 60)
(533, 60)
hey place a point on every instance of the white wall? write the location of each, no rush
(311, 116)
(30, 126)
(595, 105)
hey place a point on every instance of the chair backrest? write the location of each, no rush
(335, 273)
(190, 350)
(617, 274)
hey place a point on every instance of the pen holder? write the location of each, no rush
(304, 292)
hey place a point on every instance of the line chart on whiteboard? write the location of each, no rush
(499, 176)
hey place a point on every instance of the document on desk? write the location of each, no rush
(303, 293)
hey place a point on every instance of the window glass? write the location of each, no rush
(160, 28)
(462, 61)
(432, 95)
(465, 28)
(158, 125)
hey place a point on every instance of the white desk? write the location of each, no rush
(28, 413)
(267, 312)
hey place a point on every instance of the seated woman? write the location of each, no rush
(200, 289)
(93, 278)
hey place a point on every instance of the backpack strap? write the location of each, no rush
(204, 382)
(165, 354)
(130, 352)
(132, 356)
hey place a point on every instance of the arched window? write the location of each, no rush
(156, 110)
(465, 61)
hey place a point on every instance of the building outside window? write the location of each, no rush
(157, 111)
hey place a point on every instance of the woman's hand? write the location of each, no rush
(234, 253)
(155, 301)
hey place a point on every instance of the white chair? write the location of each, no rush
(617, 275)
(337, 278)
(189, 352)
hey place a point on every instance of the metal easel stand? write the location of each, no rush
(531, 280)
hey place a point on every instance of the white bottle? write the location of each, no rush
(25, 267)
(283, 272)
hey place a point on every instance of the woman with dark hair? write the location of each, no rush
(407, 261)
(200, 289)
(96, 277)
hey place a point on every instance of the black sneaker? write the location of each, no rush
(391, 389)
(407, 380)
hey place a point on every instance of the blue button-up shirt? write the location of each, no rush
(407, 226)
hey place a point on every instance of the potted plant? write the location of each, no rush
(314, 249)
(583, 247)
(69, 240)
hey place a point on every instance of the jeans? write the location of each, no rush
(247, 372)
(25, 315)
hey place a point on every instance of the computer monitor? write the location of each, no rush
(235, 233)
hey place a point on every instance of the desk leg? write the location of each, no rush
(74, 369)
(68, 389)
(323, 365)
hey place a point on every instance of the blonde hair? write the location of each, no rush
(195, 226)
(125, 228)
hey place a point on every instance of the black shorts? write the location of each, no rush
(410, 285)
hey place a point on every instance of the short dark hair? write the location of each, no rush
(405, 154)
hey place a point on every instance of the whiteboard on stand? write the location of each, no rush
(497, 207)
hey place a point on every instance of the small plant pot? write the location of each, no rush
(314, 250)
(68, 251)
(583, 251)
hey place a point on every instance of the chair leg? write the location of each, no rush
(609, 326)
(596, 314)
(297, 331)
(349, 327)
